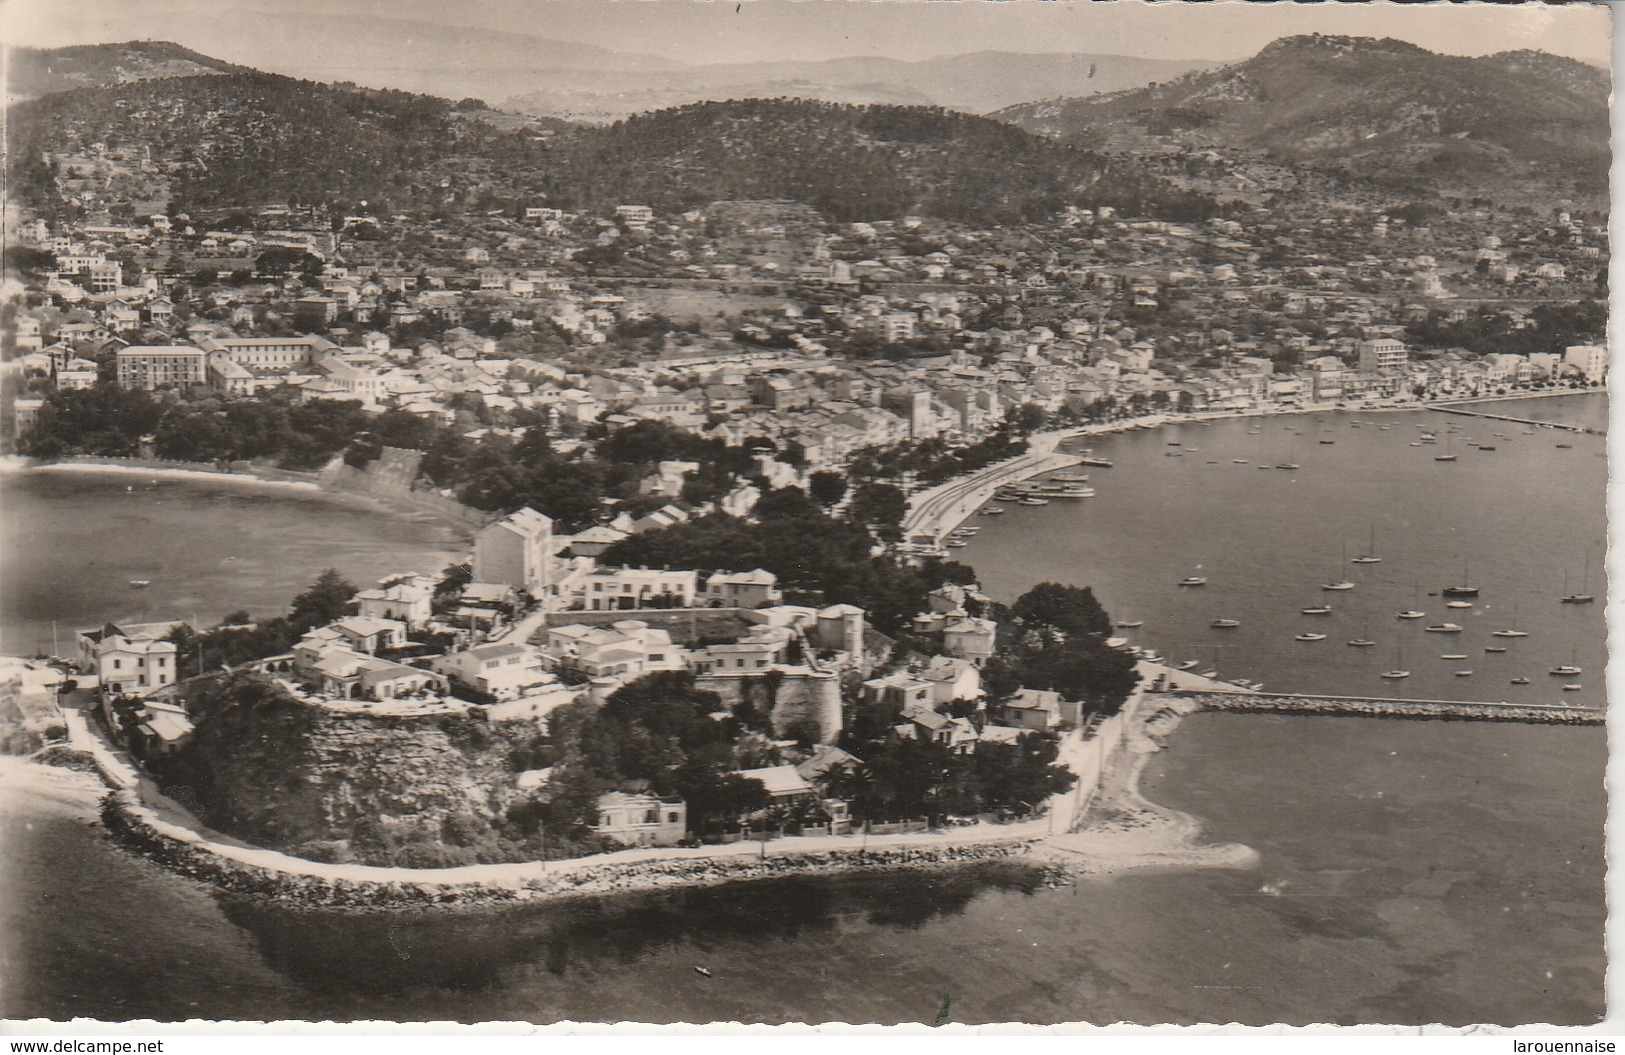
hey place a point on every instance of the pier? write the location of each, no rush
(1517, 421)
(1385, 707)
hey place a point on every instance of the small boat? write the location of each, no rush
(1520, 681)
(1464, 589)
(1225, 624)
(1508, 633)
(1565, 446)
(1190, 664)
(993, 511)
(703, 971)
(1328, 443)
(140, 583)
(1243, 682)
(1411, 613)
(1454, 655)
(1486, 446)
(1414, 443)
(1582, 597)
(957, 543)
(1396, 673)
(1464, 673)
(1287, 465)
(1360, 642)
(1369, 556)
(1239, 461)
(1210, 674)
(1075, 491)
(1444, 457)
(1118, 642)
(1099, 463)
(1443, 628)
(1071, 478)
(1573, 687)
(1458, 604)
(1034, 501)
(1130, 624)
(1173, 454)
(1193, 580)
(1341, 584)
(1310, 637)
(1565, 670)
(1494, 648)
(1317, 609)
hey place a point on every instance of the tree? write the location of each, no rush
(880, 508)
(327, 599)
(827, 488)
(1067, 609)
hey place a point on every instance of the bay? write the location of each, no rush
(1409, 872)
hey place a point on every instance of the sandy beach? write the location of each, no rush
(1123, 830)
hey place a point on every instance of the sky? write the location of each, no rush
(707, 31)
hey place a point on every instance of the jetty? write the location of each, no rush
(1517, 421)
(1391, 707)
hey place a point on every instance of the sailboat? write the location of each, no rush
(1463, 590)
(1339, 584)
(1510, 632)
(1399, 670)
(1414, 612)
(1571, 667)
(1449, 454)
(1582, 597)
(1364, 640)
(1370, 555)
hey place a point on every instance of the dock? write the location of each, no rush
(1391, 707)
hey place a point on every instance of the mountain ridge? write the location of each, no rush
(1368, 108)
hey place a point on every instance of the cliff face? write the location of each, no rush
(294, 775)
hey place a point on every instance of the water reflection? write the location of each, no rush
(469, 948)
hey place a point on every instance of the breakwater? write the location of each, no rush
(1518, 421)
(1380, 707)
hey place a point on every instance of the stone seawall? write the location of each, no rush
(133, 827)
(1372, 707)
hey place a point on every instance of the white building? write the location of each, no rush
(407, 598)
(501, 670)
(517, 550)
(1384, 353)
(1590, 359)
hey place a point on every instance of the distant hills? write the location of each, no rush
(573, 81)
(240, 139)
(1381, 110)
(978, 83)
(34, 71)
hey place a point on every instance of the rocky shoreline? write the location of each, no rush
(126, 827)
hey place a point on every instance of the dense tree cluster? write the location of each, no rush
(114, 422)
(1055, 638)
(1553, 326)
(251, 136)
(818, 559)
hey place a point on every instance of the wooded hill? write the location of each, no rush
(243, 139)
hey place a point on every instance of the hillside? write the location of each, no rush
(36, 71)
(974, 83)
(1381, 110)
(216, 141)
